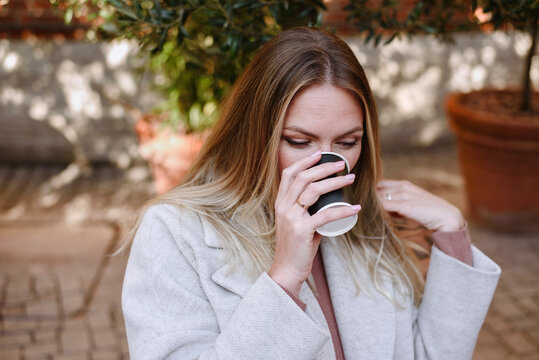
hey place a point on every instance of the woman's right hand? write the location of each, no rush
(296, 238)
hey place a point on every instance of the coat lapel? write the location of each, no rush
(235, 280)
(239, 282)
(366, 322)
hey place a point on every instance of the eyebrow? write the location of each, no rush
(305, 132)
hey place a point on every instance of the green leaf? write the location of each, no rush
(369, 36)
(241, 4)
(158, 10)
(320, 4)
(162, 39)
(391, 38)
(123, 8)
(319, 20)
(138, 8)
(68, 16)
(427, 29)
(377, 39)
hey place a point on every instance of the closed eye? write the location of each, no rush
(296, 143)
(348, 143)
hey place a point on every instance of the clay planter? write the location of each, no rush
(499, 159)
(169, 154)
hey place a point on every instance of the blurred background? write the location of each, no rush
(104, 104)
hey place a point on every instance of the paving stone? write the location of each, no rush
(4, 278)
(528, 302)
(14, 340)
(49, 324)
(22, 324)
(534, 335)
(105, 339)
(124, 345)
(38, 357)
(485, 337)
(38, 350)
(497, 323)
(46, 306)
(18, 297)
(501, 297)
(45, 285)
(531, 356)
(77, 324)
(523, 290)
(105, 355)
(100, 320)
(10, 354)
(70, 284)
(46, 335)
(75, 341)
(528, 322)
(489, 352)
(72, 301)
(72, 356)
(13, 310)
(510, 309)
(518, 343)
(19, 282)
(515, 307)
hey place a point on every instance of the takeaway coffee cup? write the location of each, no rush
(332, 199)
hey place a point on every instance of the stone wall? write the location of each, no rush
(410, 80)
(61, 98)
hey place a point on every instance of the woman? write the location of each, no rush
(229, 265)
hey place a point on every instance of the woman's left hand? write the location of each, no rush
(413, 202)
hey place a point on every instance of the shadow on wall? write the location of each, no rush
(60, 102)
(410, 80)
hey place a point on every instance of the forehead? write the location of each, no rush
(324, 106)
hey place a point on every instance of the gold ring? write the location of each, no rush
(301, 204)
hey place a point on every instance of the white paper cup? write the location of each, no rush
(332, 199)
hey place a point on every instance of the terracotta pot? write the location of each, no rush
(169, 154)
(499, 160)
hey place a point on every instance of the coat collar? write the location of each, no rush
(366, 322)
(211, 238)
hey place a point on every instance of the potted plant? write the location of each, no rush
(497, 130)
(194, 50)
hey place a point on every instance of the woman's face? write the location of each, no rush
(325, 118)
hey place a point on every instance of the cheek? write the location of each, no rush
(353, 156)
(287, 157)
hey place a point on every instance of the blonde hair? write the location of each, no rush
(233, 182)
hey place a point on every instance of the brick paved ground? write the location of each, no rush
(60, 294)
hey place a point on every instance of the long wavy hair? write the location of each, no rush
(234, 180)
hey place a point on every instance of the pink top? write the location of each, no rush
(456, 244)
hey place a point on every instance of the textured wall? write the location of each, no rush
(411, 78)
(59, 98)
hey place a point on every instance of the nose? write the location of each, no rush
(325, 147)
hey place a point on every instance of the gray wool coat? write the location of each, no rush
(180, 302)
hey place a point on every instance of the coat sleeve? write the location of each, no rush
(455, 302)
(168, 315)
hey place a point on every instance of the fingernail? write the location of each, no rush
(350, 176)
(316, 153)
(339, 164)
(356, 207)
